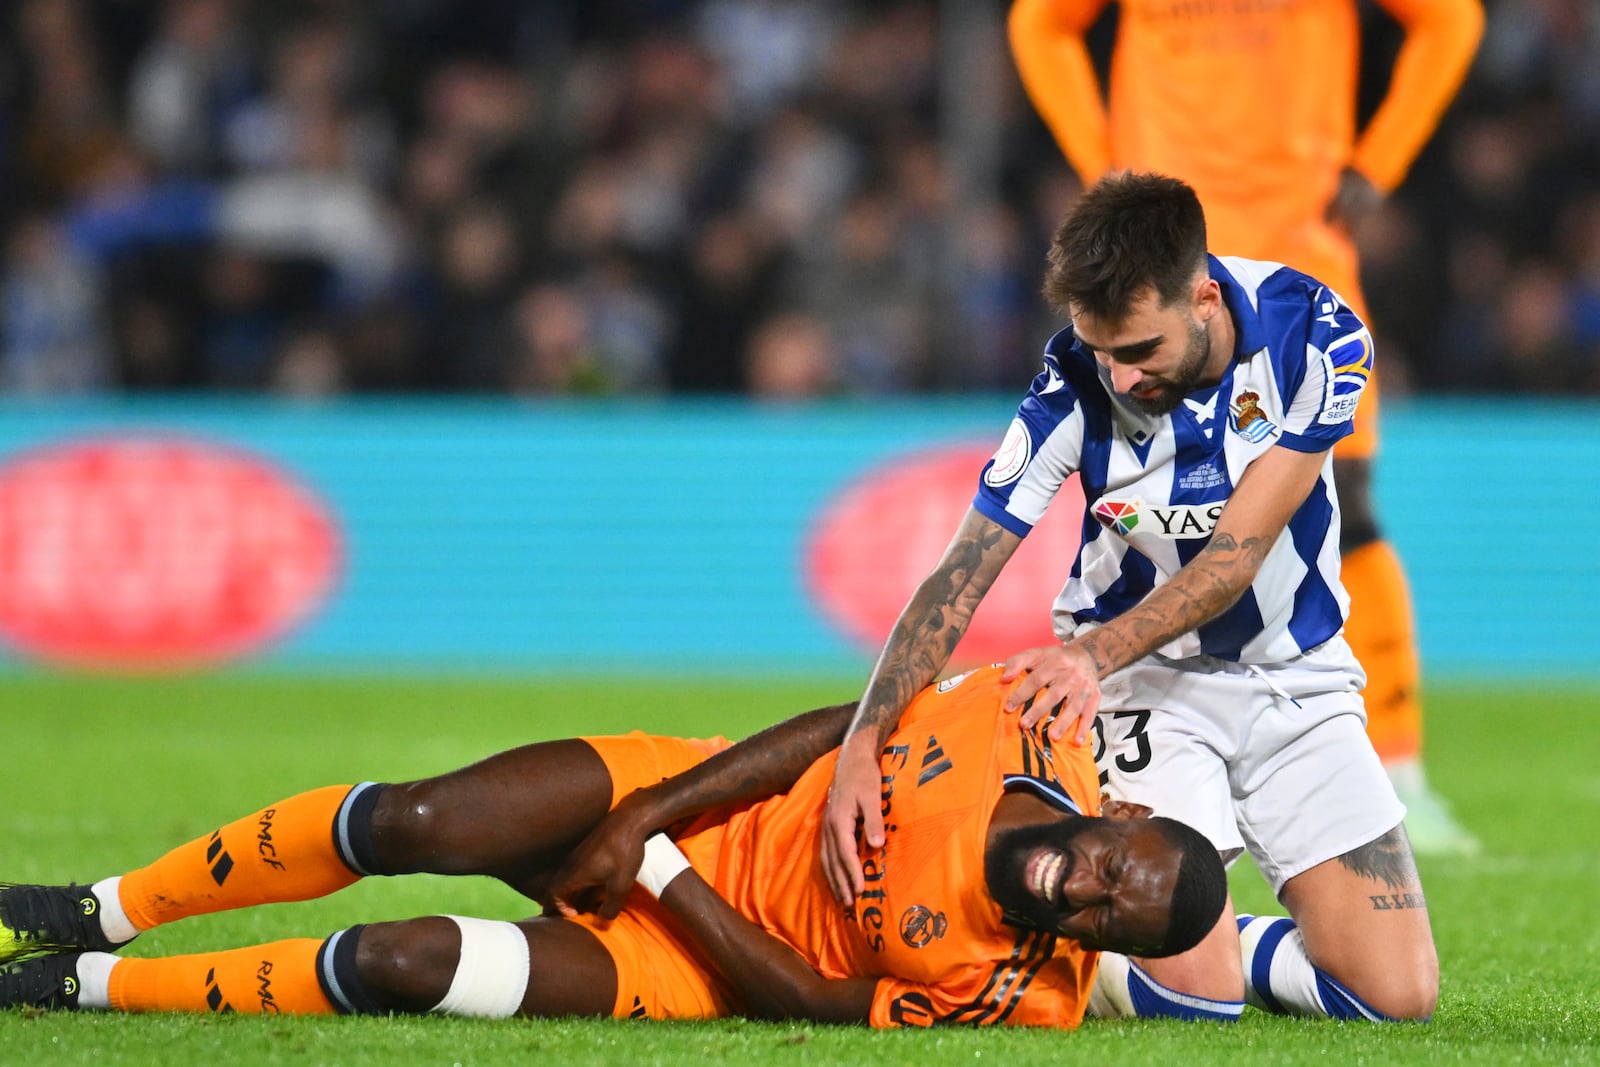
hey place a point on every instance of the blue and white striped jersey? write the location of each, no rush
(1155, 485)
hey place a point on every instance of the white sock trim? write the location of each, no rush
(491, 972)
(1279, 978)
(114, 922)
(94, 980)
(1192, 1001)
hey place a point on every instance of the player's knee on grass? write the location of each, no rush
(1367, 926)
(407, 966)
(1357, 974)
(1404, 988)
(1416, 999)
(444, 964)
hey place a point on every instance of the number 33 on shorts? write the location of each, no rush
(1131, 741)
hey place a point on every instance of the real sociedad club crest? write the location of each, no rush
(1248, 420)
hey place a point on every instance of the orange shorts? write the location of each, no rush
(659, 974)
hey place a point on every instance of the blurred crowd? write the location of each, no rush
(771, 197)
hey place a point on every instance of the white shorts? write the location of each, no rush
(1270, 758)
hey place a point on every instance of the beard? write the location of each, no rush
(1005, 866)
(1183, 381)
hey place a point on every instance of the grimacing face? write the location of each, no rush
(1105, 883)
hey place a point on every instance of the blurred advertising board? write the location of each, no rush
(653, 536)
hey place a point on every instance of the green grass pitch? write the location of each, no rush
(101, 775)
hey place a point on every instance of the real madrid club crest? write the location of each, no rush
(920, 926)
(1248, 420)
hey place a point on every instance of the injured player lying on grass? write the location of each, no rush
(1000, 881)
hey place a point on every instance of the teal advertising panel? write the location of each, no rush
(641, 537)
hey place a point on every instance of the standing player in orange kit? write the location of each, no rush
(1253, 103)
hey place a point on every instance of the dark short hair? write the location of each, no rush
(1201, 890)
(1129, 232)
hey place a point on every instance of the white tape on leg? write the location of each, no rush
(491, 972)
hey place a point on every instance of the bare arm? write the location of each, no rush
(761, 765)
(918, 648)
(774, 980)
(1271, 489)
(1441, 37)
(1047, 44)
(932, 624)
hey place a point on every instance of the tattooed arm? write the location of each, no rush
(918, 648)
(599, 873)
(1271, 489)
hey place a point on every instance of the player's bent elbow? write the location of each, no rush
(1470, 21)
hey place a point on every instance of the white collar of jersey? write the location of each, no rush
(1249, 336)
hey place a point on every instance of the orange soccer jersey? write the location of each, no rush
(925, 923)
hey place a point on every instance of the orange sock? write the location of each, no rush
(273, 979)
(285, 852)
(1381, 634)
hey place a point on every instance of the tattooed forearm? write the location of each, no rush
(933, 623)
(918, 648)
(1388, 859)
(1203, 589)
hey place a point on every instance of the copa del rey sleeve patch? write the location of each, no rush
(1011, 459)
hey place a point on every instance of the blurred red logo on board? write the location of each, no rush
(156, 553)
(878, 538)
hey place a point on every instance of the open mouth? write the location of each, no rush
(1045, 871)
